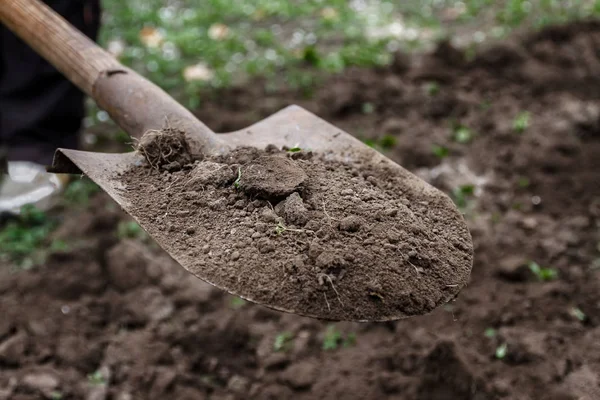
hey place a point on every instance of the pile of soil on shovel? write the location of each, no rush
(115, 318)
(289, 228)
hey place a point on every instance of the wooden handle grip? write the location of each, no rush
(132, 101)
(76, 56)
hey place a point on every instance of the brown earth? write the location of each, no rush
(322, 238)
(151, 330)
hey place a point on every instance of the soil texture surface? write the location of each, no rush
(512, 134)
(300, 233)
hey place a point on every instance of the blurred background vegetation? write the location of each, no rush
(187, 46)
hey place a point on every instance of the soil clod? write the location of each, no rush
(272, 177)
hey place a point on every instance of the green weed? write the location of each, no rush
(96, 378)
(236, 184)
(370, 142)
(237, 302)
(131, 230)
(462, 134)
(462, 195)
(501, 351)
(432, 88)
(577, 313)
(388, 141)
(385, 143)
(490, 333)
(524, 182)
(24, 241)
(334, 338)
(280, 228)
(440, 152)
(283, 341)
(80, 191)
(368, 108)
(122, 137)
(543, 274)
(521, 122)
(56, 395)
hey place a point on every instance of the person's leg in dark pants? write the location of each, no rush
(41, 110)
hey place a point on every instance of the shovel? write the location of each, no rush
(139, 106)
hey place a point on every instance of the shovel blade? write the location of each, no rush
(293, 126)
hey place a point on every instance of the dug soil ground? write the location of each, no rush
(512, 134)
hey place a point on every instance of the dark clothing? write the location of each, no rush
(41, 110)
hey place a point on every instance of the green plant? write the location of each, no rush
(294, 149)
(283, 341)
(56, 395)
(79, 191)
(462, 194)
(521, 122)
(96, 378)
(332, 338)
(349, 340)
(388, 141)
(501, 351)
(385, 143)
(122, 137)
(523, 182)
(440, 151)
(368, 108)
(236, 184)
(462, 134)
(432, 88)
(370, 142)
(577, 313)
(311, 56)
(237, 302)
(490, 333)
(24, 240)
(543, 274)
(280, 228)
(131, 230)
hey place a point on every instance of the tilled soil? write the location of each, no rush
(149, 329)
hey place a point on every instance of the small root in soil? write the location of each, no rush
(165, 149)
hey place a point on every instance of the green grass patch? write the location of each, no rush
(24, 240)
(79, 191)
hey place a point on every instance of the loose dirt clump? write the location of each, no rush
(272, 177)
(307, 235)
(165, 149)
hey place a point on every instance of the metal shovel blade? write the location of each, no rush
(290, 127)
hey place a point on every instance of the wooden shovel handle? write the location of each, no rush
(132, 101)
